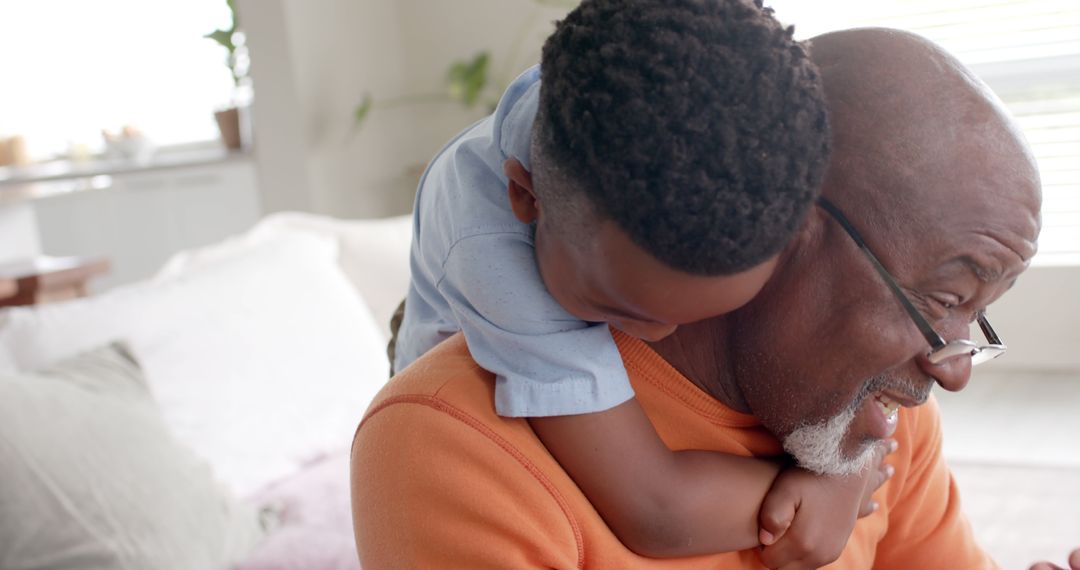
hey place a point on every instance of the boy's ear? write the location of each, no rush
(522, 198)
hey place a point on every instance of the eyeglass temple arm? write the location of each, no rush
(988, 331)
(929, 333)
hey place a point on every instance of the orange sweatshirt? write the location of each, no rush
(440, 481)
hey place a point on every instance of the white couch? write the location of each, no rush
(262, 353)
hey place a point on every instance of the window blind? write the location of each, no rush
(1028, 51)
(976, 31)
(1052, 126)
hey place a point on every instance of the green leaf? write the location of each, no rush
(223, 37)
(362, 110)
(466, 79)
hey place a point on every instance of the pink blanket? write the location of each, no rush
(310, 517)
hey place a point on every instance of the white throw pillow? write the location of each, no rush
(93, 479)
(375, 257)
(7, 365)
(260, 361)
(374, 254)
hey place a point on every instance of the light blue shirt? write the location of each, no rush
(474, 269)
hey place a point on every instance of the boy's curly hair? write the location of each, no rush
(698, 126)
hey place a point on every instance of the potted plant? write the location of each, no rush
(229, 118)
(469, 82)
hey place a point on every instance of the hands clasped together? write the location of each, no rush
(806, 519)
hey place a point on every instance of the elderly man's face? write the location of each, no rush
(826, 353)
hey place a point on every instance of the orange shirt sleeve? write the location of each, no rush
(926, 526)
(420, 502)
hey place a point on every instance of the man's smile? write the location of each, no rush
(889, 407)
(885, 396)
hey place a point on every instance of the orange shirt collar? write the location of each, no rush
(644, 365)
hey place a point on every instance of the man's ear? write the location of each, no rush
(522, 198)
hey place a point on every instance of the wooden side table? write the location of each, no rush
(46, 279)
(8, 287)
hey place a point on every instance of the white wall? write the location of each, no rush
(1039, 320)
(438, 33)
(142, 218)
(18, 232)
(280, 132)
(341, 48)
(312, 60)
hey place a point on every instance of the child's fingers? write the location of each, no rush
(804, 548)
(882, 473)
(765, 537)
(868, 508)
(883, 448)
(880, 476)
(791, 552)
(777, 512)
(798, 565)
(778, 555)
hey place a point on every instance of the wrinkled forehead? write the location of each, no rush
(931, 206)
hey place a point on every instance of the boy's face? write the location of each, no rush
(605, 277)
(598, 274)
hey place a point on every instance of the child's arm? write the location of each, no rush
(815, 514)
(664, 503)
(658, 502)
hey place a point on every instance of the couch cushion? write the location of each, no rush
(92, 478)
(374, 254)
(260, 360)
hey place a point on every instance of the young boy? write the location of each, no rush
(657, 162)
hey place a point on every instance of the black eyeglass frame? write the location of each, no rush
(940, 350)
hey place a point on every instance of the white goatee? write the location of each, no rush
(817, 446)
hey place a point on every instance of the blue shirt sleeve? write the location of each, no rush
(546, 361)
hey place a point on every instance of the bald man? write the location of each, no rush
(930, 212)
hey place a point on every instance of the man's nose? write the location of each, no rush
(952, 374)
(648, 332)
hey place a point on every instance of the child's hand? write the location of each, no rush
(879, 473)
(806, 519)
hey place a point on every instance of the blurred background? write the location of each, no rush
(131, 130)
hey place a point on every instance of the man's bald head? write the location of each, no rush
(939, 182)
(915, 129)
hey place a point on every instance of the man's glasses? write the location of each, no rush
(940, 350)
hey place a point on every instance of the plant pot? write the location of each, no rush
(228, 121)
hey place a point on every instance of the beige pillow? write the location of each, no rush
(261, 362)
(91, 478)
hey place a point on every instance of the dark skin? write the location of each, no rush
(946, 194)
(944, 191)
(1074, 563)
(659, 502)
(956, 233)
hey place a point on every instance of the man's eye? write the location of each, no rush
(947, 302)
(935, 306)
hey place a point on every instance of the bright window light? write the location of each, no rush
(1027, 50)
(73, 67)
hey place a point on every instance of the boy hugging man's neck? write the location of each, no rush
(657, 164)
